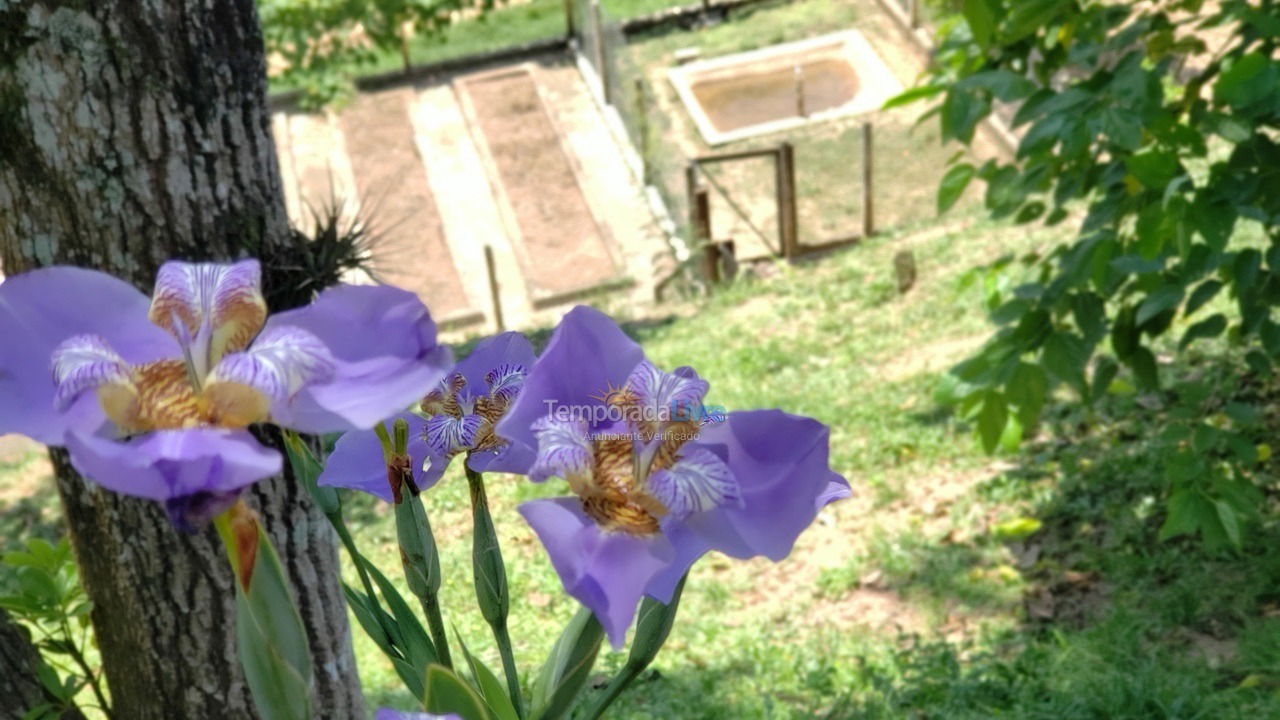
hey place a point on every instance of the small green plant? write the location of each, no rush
(44, 594)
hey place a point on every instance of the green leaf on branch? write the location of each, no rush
(1104, 373)
(912, 95)
(1028, 389)
(981, 18)
(1164, 298)
(1153, 168)
(1249, 78)
(1182, 515)
(991, 420)
(962, 110)
(1203, 293)
(1143, 364)
(1005, 85)
(1123, 127)
(953, 185)
(1028, 16)
(1064, 356)
(1209, 327)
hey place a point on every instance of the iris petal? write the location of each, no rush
(448, 435)
(357, 462)
(172, 465)
(564, 449)
(660, 393)
(781, 465)
(282, 361)
(246, 386)
(83, 363)
(41, 309)
(221, 306)
(587, 355)
(698, 482)
(505, 381)
(384, 343)
(503, 358)
(607, 572)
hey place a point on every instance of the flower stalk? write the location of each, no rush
(270, 637)
(652, 629)
(492, 592)
(307, 468)
(418, 552)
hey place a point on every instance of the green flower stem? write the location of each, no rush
(653, 626)
(306, 468)
(492, 592)
(435, 623)
(617, 685)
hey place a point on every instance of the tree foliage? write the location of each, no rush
(1158, 120)
(316, 44)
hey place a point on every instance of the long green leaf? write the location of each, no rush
(566, 670)
(418, 648)
(272, 640)
(446, 693)
(491, 688)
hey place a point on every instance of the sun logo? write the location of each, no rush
(621, 396)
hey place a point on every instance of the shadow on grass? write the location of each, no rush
(1112, 621)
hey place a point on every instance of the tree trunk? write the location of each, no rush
(20, 688)
(131, 132)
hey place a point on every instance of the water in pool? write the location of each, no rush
(794, 90)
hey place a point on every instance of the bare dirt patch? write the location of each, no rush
(411, 251)
(564, 246)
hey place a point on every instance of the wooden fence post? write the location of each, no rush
(642, 127)
(690, 192)
(868, 210)
(785, 182)
(598, 27)
(494, 293)
(702, 230)
(569, 29)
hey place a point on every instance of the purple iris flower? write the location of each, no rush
(389, 714)
(460, 416)
(655, 487)
(153, 397)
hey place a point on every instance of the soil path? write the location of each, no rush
(389, 173)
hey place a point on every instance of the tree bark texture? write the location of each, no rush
(131, 132)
